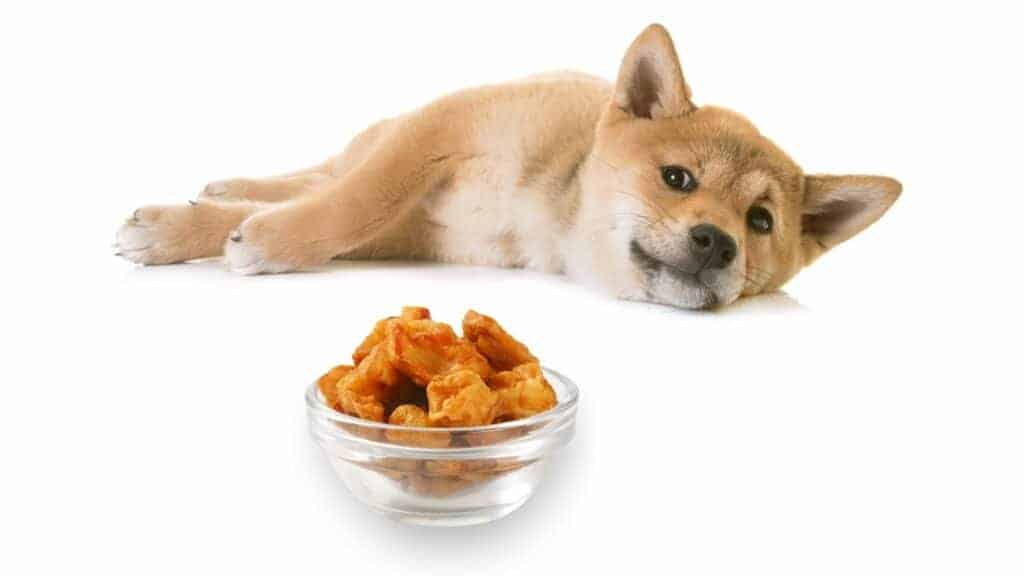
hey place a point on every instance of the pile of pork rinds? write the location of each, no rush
(414, 371)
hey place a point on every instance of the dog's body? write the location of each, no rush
(627, 186)
(507, 193)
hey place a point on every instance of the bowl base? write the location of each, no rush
(466, 517)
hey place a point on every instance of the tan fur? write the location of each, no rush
(558, 172)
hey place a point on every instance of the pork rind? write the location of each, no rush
(408, 393)
(367, 390)
(439, 486)
(328, 384)
(502, 350)
(380, 330)
(415, 313)
(424, 350)
(446, 477)
(412, 415)
(413, 371)
(408, 415)
(461, 398)
(522, 391)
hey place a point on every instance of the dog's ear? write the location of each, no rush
(835, 208)
(651, 83)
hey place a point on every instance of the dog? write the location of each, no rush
(630, 187)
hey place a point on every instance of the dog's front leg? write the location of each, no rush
(176, 233)
(348, 212)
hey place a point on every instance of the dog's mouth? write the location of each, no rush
(652, 266)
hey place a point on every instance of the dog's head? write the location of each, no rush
(703, 208)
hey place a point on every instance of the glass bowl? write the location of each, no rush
(444, 476)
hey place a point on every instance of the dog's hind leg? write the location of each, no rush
(275, 189)
(292, 185)
(408, 159)
(176, 233)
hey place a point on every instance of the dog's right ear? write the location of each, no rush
(651, 83)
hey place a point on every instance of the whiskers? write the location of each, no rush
(612, 221)
(640, 218)
(654, 206)
(662, 220)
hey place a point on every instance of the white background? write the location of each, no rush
(867, 421)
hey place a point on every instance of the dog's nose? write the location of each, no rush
(713, 247)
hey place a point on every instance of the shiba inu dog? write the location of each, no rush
(630, 186)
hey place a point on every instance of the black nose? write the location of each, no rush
(712, 247)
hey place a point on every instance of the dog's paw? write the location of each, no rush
(225, 190)
(274, 241)
(246, 258)
(250, 249)
(155, 235)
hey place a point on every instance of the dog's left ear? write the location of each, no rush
(835, 208)
(651, 83)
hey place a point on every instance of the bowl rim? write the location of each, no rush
(317, 407)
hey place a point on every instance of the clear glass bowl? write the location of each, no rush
(444, 476)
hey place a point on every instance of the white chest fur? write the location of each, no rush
(485, 217)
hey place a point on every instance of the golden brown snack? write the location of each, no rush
(365, 391)
(397, 464)
(461, 398)
(414, 370)
(442, 467)
(328, 384)
(424, 350)
(380, 330)
(415, 313)
(408, 415)
(523, 392)
(392, 474)
(412, 415)
(438, 486)
(408, 393)
(502, 350)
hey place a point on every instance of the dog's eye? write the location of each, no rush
(759, 219)
(678, 178)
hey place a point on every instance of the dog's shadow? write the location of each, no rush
(771, 303)
(778, 302)
(764, 304)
